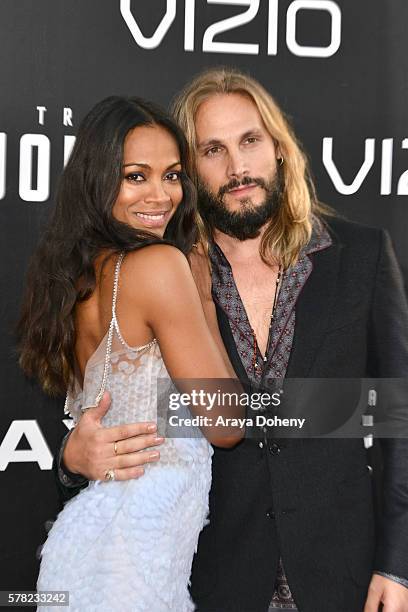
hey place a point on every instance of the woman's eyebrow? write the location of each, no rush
(136, 164)
(143, 165)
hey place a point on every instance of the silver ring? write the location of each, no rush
(110, 475)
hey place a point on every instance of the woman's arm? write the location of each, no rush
(157, 284)
(202, 277)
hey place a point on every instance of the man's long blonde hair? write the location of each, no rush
(291, 227)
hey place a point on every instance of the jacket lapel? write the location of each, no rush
(228, 339)
(313, 308)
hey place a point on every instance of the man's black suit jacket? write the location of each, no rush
(310, 501)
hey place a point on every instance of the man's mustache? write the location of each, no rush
(235, 183)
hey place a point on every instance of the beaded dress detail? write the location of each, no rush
(128, 546)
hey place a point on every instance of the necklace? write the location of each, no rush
(271, 320)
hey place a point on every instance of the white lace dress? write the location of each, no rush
(129, 545)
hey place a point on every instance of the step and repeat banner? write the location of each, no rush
(339, 70)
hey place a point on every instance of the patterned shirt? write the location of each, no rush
(226, 295)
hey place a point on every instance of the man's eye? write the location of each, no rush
(135, 177)
(213, 151)
(173, 177)
(251, 139)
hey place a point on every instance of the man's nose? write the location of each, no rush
(237, 167)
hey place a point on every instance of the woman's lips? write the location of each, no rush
(153, 219)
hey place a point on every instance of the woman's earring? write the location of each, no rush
(280, 160)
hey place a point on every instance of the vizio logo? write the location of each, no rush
(387, 153)
(226, 25)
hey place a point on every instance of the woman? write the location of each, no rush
(111, 304)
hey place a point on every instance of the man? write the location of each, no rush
(298, 294)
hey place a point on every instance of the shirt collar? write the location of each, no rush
(320, 239)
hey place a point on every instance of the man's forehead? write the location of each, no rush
(226, 117)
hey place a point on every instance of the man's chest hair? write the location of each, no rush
(256, 286)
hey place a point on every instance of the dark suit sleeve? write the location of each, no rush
(388, 345)
(68, 484)
(388, 358)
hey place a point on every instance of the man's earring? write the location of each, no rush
(280, 160)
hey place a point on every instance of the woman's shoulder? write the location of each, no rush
(157, 268)
(154, 254)
(153, 261)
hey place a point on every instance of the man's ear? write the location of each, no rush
(278, 152)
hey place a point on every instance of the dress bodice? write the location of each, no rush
(132, 378)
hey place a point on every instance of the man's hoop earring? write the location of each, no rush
(280, 160)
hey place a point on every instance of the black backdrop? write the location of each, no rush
(339, 69)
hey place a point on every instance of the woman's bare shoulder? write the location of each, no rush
(154, 266)
(155, 280)
(154, 254)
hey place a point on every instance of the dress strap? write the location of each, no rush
(134, 349)
(113, 324)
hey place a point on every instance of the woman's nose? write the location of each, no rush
(157, 193)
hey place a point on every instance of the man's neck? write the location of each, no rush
(238, 249)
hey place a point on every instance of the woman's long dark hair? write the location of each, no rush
(61, 271)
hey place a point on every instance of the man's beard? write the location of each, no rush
(244, 223)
